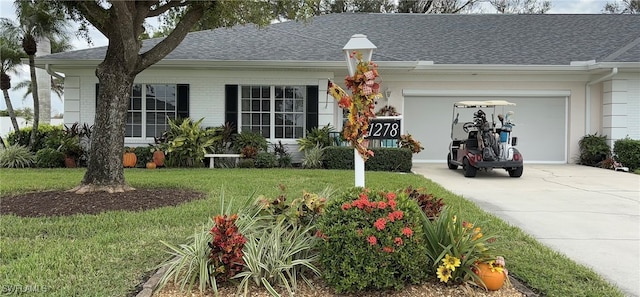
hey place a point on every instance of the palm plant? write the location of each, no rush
(37, 20)
(58, 44)
(10, 52)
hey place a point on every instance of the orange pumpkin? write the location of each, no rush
(151, 165)
(129, 160)
(158, 158)
(493, 280)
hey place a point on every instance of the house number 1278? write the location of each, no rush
(384, 129)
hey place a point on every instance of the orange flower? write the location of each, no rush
(372, 240)
(380, 223)
(407, 231)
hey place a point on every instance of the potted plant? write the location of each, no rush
(70, 147)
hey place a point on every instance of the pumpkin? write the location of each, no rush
(151, 165)
(158, 158)
(493, 280)
(129, 160)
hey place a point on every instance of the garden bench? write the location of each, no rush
(213, 156)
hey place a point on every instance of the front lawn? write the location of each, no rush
(109, 254)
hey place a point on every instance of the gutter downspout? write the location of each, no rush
(587, 89)
(47, 67)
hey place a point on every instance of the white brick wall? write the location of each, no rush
(206, 92)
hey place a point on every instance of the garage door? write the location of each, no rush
(540, 126)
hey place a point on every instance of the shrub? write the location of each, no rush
(187, 143)
(389, 159)
(189, 263)
(223, 143)
(372, 240)
(593, 149)
(49, 158)
(284, 158)
(455, 246)
(22, 136)
(266, 160)
(252, 139)
(144, 154)
(16, 156)
(246, 163)
(316, 137)
(313, 158)
(384, 159)
(276, 255)
(339, 157)
(627, 152)
(303, 210)
(226, 254)
(430, 205)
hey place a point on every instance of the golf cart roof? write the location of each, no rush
(488, 103)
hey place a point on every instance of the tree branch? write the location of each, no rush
(164, 47)
(92, 12)
(163, 8)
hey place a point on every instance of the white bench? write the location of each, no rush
(213, 156)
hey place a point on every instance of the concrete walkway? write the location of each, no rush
(591, 215)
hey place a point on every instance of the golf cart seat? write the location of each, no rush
(472, 140)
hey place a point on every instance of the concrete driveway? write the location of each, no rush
(589, 214)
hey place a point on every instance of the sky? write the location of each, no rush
(7, 10)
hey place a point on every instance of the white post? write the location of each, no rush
(358, 163)
(358, 42)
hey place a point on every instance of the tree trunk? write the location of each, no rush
(36, 101)
(104, 168)
(12, 113)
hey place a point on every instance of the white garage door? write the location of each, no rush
(540, 126)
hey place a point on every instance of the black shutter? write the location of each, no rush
(312, 107)
(231, 105)
(183, 101)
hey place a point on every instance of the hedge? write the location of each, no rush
(384, 159)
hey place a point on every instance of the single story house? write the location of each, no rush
(570, 75)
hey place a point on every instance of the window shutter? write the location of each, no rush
(312, 107)
(231, 105)
(183, 101)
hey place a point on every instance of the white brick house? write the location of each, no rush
(570, 75)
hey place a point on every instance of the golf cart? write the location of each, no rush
(479, 144)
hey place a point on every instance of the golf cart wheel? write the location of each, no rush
(451, 165)
(469, 171)
(516, 172)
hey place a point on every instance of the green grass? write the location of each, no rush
(108, 254)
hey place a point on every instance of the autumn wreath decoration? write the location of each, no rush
(365, 90)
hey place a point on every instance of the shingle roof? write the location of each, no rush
(445, 39)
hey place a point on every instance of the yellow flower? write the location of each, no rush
(451, 262)
(443, 273)
(495, 267)
(477, 236)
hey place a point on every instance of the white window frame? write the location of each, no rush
(143, 109)
(272, 112)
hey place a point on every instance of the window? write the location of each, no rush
(148, 117)
(273, 111)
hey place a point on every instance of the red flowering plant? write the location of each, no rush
(365, 90)
(372, 240)
(226, 248)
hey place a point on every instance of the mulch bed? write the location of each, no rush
(62, 203)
